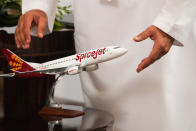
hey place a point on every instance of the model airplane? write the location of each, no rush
(71, 65)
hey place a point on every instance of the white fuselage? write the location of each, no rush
(83, 59)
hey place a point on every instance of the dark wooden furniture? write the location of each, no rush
(23, 98)
(91, 120)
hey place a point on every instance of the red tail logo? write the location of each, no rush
(15, 62)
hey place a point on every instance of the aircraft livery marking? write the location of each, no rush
(16, 63)
(89, 54)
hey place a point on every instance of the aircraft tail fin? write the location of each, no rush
(16, 63)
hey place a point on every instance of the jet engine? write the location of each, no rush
(73, 70)
(91, 67)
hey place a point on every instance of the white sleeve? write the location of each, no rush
(48, 6)
(178, 19)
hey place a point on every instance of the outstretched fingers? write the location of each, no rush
(162, 45)
(22, 33)
(18, 37)
(144, 35)
(25, 23)
(157, 52)
(27, 30)
(42, 22)
(154, 55)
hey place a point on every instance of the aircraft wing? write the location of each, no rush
(7, 75)
(70, 70)
(46, 71)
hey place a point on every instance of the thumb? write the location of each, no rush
(142, 36)
(42, 22)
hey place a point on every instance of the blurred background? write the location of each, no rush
(20, 98)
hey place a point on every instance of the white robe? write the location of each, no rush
(160, 98)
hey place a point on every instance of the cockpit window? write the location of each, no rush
(116, 47)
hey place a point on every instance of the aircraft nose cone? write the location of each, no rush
(124, 51)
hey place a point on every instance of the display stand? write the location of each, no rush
(92, 120)
(55, 109)
(50, 101)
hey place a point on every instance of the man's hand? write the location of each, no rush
(26, 21)
(162, 45)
